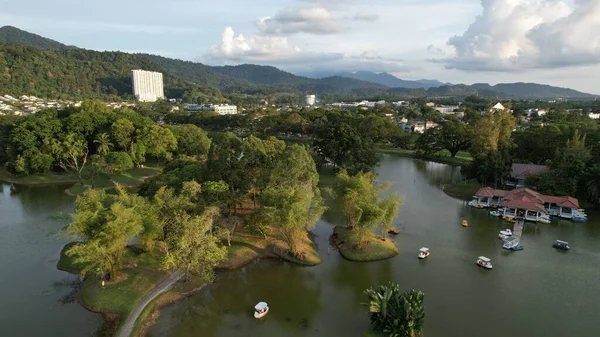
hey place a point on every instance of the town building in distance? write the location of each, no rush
(221, 109)
(147, 85)
(311, 100)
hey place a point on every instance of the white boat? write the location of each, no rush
(484, 262)
(544, 220)
(423, 252)
(261, 310)
(495, 213)
(507, 232)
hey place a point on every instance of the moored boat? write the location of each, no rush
(495, 213)
(261, 310)
(423, 252)
(518, 247)
(484, 262)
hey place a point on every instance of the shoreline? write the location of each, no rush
(237, 258)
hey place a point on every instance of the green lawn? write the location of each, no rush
(129, 178)
(374, 247)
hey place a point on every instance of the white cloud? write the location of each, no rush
(255, 48)
(277, 50)
(512, 35)
(311, 19)
(291, 20)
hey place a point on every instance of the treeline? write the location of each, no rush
(71, 138)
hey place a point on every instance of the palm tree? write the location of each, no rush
(396, 313)
(104, 144)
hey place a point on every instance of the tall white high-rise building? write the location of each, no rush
(148, 85)
(311, 100)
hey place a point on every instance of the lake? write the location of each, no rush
(36, 298)
(535, 292)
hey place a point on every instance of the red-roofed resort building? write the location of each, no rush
(526, 203)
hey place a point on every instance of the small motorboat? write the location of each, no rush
(472, 203)
(517, 247)
(261, 310)
(393, 231)
(479, 206)
(507, 232)
(423, 252)
(508, 218)
(465, 223)
(579, 218)
(484, 262)
(495, 213)
(562, 245)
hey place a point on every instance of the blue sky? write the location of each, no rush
(459, 41)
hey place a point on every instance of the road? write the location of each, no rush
(127, 327)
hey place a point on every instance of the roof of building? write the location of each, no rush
(498, 106)
(522, 171)
(527, 198)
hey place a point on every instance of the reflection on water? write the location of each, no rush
(534, 292)
(36, 298)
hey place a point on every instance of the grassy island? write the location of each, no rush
(372, 247)
(463, 189)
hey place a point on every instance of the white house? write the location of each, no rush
(594, 115)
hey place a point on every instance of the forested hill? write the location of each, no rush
(13, 35)
(55, 70)
(81, 74)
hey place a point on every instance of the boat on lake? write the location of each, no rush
(465, 223)
(505, 234)
(423, 252)
(484, 262)
(261, 310)
(562, 245)
(518, 247)
(495, 213)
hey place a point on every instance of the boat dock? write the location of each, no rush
(515, 239)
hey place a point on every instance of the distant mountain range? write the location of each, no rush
(384, 79)
(54, 69)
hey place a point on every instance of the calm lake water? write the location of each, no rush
(32, 291)
(535, 292)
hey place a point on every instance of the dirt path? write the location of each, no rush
(127, 326)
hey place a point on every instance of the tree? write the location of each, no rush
(104, 225)
(122, 133)
(191, 140)
(119, 161)
(74, 155)
(396, 313)
(455, 136)
(160, 142)
(192, 249)
(104, 144)
(341, 144)
(430, 142)
(292, 202)
(591, 181)
(363, 208)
